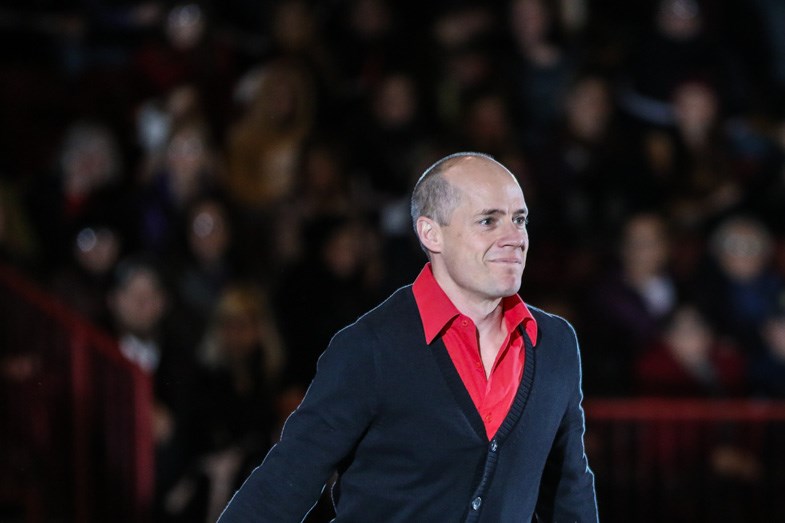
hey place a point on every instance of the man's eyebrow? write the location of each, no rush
(488, 212)
(491, 212)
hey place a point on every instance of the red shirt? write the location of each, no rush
(492, 395)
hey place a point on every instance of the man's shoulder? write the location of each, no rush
(550, 325)
(546, 318)
(396, 314)
(395, 307)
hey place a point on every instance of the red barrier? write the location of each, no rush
(690, 460)
(75, 416)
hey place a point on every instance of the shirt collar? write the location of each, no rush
(437, 311)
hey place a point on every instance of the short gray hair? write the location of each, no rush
(433, 196)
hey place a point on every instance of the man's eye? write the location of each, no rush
(521, 220)
(486, 221)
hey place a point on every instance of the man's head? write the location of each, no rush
(470, 216)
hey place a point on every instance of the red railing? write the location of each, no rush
(688, 460)
(75, 416)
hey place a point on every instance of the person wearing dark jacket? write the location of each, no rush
(451, 401)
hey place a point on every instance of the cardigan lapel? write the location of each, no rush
(524, 390)
(456, 386)
(464, 400)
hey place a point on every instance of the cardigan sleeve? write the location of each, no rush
(567, 488)
(334, 414)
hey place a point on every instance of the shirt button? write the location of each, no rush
(494, 445)
(464, 323)
(476, 502)
(488, 418)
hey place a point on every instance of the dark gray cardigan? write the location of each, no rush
(390, 414)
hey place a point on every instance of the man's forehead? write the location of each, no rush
(476, 171)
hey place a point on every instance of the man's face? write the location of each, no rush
(483, 248)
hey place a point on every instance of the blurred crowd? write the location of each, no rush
(223, 185)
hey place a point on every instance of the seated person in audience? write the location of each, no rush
(690, 361)
(767, 369)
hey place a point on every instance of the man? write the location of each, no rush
(452, 400)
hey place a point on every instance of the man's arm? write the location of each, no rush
(567, 490)
(332, 417)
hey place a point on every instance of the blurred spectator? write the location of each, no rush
(202, 267)
(233, 419)
(540, 69)
(387, 139)
(83, 282)
(86, 185)
(157, 117)
(767, 369)
(337, 279)
(264, 143)
(486, 126)
(626, 307)
(263, 151)
(149, 337)
(465, 59)
(186, 51)
(690, 361)
(323, 189)
(189, 170)
(738, 287)
(577, 171)
(370, 41)
(700, 166)
(297, 37)
(680, 44)
(703, 185)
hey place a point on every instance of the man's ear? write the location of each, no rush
(430, 234)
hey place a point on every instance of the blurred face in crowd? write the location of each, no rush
(644, 245)
(89, 160)
(96, 250)
(209, 232)
(487, 123)
(742, 249)
(238, 313)
(294, 25)
(185, 26)
(186, 152)
(530, 20)
(395, 103)
(342, 252)
(239, 334)
(695, 108)
(370, 19)
(479, 255)
(689, 337)
(679, 19)
(588, 108)
(139, 302)
(774, 334)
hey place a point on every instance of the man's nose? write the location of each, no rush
(514, 236)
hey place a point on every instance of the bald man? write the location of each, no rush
(453, 400)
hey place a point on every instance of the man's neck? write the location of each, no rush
(484, 312)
